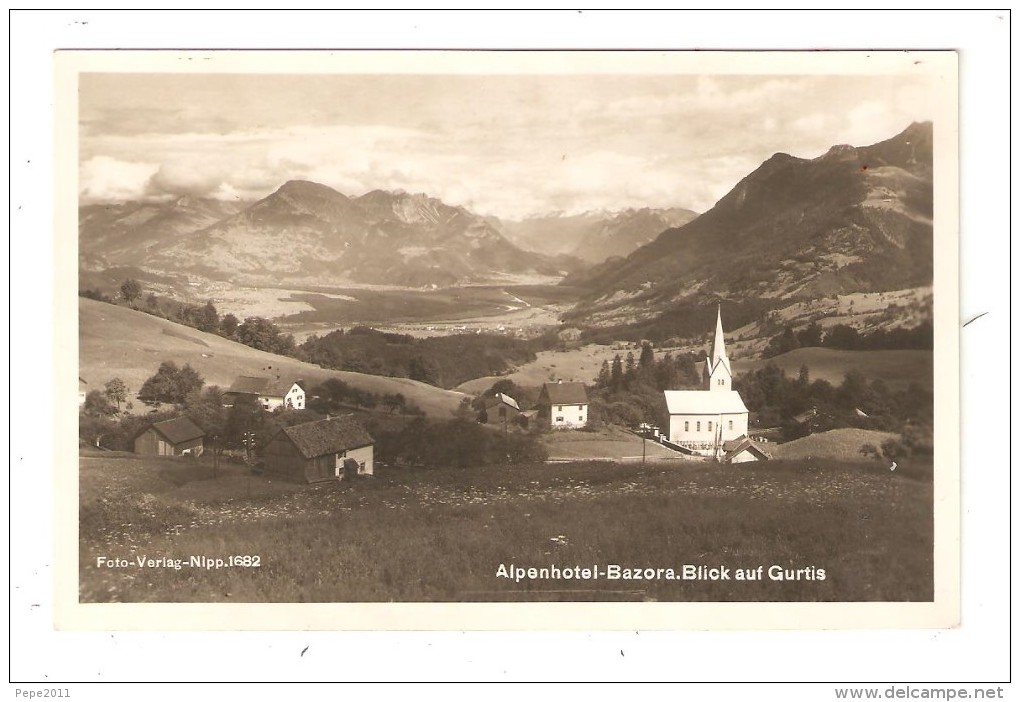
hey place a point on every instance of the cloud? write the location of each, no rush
(106, 179)
(509, 146)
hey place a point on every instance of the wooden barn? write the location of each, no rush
(318, 451)
(171, 437)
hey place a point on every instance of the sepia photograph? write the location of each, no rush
(513, 328)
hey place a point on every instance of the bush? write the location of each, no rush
(895, 450)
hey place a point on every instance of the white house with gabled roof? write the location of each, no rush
(704, 419)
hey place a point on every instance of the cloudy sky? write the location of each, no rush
(503, 145)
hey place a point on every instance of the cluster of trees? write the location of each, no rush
(106, 402)
(183, 389)
(225, 427)
(459, 442)
(170, 384)
(256, 332)
(776, 399)
(335, 395)
(628, 391)
(842, 336)
(444, 361)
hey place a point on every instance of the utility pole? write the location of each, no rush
(249, 444)
(215, 455)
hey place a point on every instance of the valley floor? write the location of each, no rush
(441, 535)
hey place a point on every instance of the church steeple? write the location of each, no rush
(718, 375)
(718, 343)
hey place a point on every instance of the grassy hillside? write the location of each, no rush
(896, 368)
(838, 444)
(381, 539)
(119, 342)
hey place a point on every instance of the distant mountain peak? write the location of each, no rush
(306, 187)
(841, 152)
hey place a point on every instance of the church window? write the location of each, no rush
(710, 426)
(731, 424)
(687, 426)
(699, 426)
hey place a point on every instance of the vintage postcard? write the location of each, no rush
(507, 340)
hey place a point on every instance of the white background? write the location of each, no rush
(977, 651)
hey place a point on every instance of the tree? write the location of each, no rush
(96, 405)
(811, 335)
(804, 377)
(207, 319)
(228, 325)
(258, 333)
(647, 355)
(130, 290)
(616, 374)
(205, 407)
(116, 391)
(420, 369)
(393, 401)
(170, 384)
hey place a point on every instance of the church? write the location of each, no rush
(702, 420)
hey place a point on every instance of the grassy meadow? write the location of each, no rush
(440, 535)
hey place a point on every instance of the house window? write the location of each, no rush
(560, 408)
(699, 426)
(687, 426)
(731, 424)
(559, 419)
(710, 426)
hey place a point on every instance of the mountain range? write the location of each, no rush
(856, 219)
(594, 237)
(308, 232)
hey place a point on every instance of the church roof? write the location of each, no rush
(704, 402)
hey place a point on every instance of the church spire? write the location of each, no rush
(718, 343)
(718, 375)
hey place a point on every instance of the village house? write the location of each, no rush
(171, 437)
(501, 409)
(318, 451)
(744, 450)
(702, 420)
(83, 390)
(564, 405)
(271, 393)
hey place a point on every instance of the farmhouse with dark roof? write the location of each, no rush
(564, 405)
(171, 437)
(318, 451)
(269, 392)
